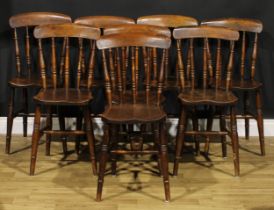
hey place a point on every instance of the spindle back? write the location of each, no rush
(134, 80)
(249, 29)
(60, 69)
(25, 46)
(189, 37)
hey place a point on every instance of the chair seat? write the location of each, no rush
(140, 98)
(64, 96)
(133, 113)
(25, 81)
(246, 85)
(208, 96)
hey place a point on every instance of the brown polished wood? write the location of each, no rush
(135, 103)
(27, 75)
(61, 92)
(204, 94)
(246, 83)
(134, 28)
(103, 21)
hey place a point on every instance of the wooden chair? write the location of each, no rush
(27, 75)
(62, 92)
(201, 94)
(171, 22)
(136, 102)
(247, 84)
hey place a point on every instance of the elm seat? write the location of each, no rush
(208, 96)
(246, 85)
(133, 113)
(140, 98)
(25, 82)
(64, 96)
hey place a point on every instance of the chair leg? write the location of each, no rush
(9, 121)
(62, 125)
(195, 125)
(90, 138)
(222, 128)
(114, 140)
(209, 126)
(179, 140)
(35, 138)
(246, 108)
(235, 141)
(25, 107)
(156, 137)
(49, 126)
(78, 139)
(164, 161)
(260, 121)
(102, 163)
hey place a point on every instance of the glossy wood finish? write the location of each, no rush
(250, 30)
(27, 75)
(171, 21)
(103, 21)
(62, 93)
(133, 101)
(130, 28)
(204, 94)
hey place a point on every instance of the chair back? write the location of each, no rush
(57, 70)
(171, 22)
(133, 80)
(249, 29)
(25, 45)
(188, 38)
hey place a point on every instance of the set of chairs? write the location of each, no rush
(135, 64)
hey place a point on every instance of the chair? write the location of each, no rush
(172, 84)
(134, 101)
(247, 84)
(171, 22)
(27, 76)
(62, 92)
(97, 81)
(200, 93)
